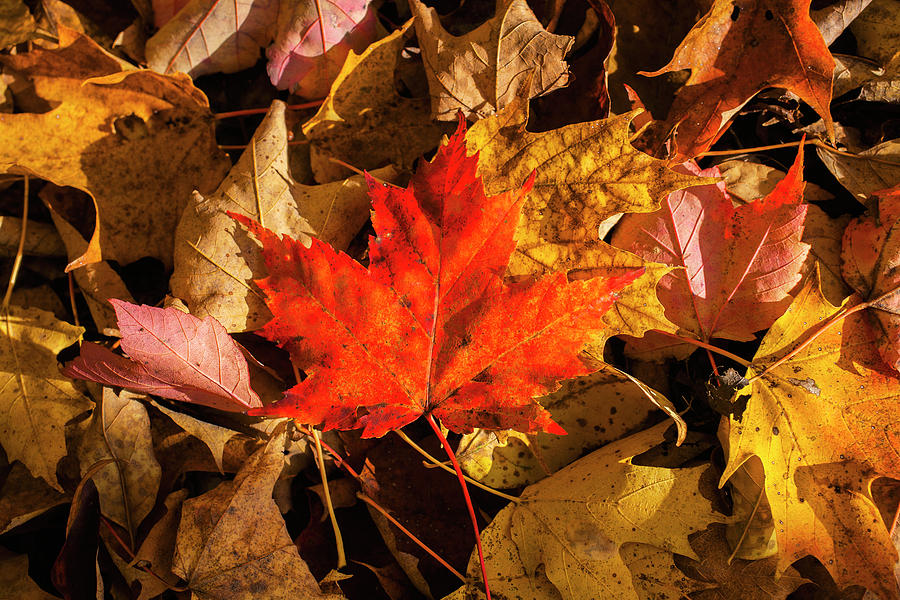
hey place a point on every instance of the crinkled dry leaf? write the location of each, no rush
(120, 430)
(562, 539)
(232, 541)
(364, 121)
(214, 436)
(822, 423)
(16, 23)
(877, 168)
(876, 31)
(480, 72)
(35, 400)
(23, 497)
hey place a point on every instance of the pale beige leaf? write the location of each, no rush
(875, 169)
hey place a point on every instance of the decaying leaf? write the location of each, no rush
(173, 355)
(136, 141)
(216, 265)
(214, 436)
(433, 300)
(739, 48)
(232, 540)
(364, 121)
(871, 267)
(120, 430)
(312, 41)
(822, 423)
(23, 497)
(211, 36)
(35, 401)
(14, 579)
(481, 72)
(740, 264)
(16, 23)
(562, 539)
(876, 168)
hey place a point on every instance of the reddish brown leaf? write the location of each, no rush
(431, 326)
(173, 355)
(739, 48)
(739, 263)
(871, 256)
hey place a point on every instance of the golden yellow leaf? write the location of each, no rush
(216, 261)
(563, 539)
(480, 72)
(120, 429)
(35, 400)
(136, 141)
(823, 424)
(232, 541)
(364, 122)
(23, 497)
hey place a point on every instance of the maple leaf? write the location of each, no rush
(737, 49)
(823, 421)
(871, 254)
(431, 327)
(562, 540)
(739, 263)
(173, 355)
(494, 58)
(312, 40)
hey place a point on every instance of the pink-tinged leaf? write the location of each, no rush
(871, 266)
(172, 354)
(313, 39)
(165, 10)
(213, 36)
(432, 326)
(740, 264)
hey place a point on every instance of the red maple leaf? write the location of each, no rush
(431, 327)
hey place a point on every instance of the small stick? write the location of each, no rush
(465, 490)
(816, 143)
(706, 346)
(260, 111)
(339, 541)
(20, 252)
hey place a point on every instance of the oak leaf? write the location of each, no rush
(364, 121)
(871, 256)
(173, 355)
(737, 49)
(232, 541)
(136, 141)
(430, 327)
(562, 540)
(480, 72)
(35, 402)
(823, 423)
(215, 265)
(312, 40)
(211, 36)
(739, 263)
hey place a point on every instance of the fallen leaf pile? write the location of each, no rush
(638, 262)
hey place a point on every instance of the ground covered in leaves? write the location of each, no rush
(638, 261)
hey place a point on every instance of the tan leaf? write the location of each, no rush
(35, 400)
(214, 436)
(14, 579)
(364, 122)
(136, 141)
(120, 429)
(871, 170)
(876, 32)
(232, 541)
(16, 23)
(480, 72)
(23, 497)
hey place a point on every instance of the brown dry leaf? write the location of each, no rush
(41, 238)
(214, 436)
(586, 173)
(364, 121)
(137, 141)
(16, 23)
(23, 497)
(216, 262)
(208, 36)
(594, 410)
(98, 281)
(823, 425)
(658, 577)
(480, 72)
(120, 429)
(14, 579)
(871, 170)
(35, 400)
(232, 541)
(42, 297)
(876, 30)
(562, 539)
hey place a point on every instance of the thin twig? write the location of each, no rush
(815, 142)
(259, 111)
(132, 556)
(20, 252)
(410, 535)
(338, 539)
(710, 347)
(465, 490)
(438, 463)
